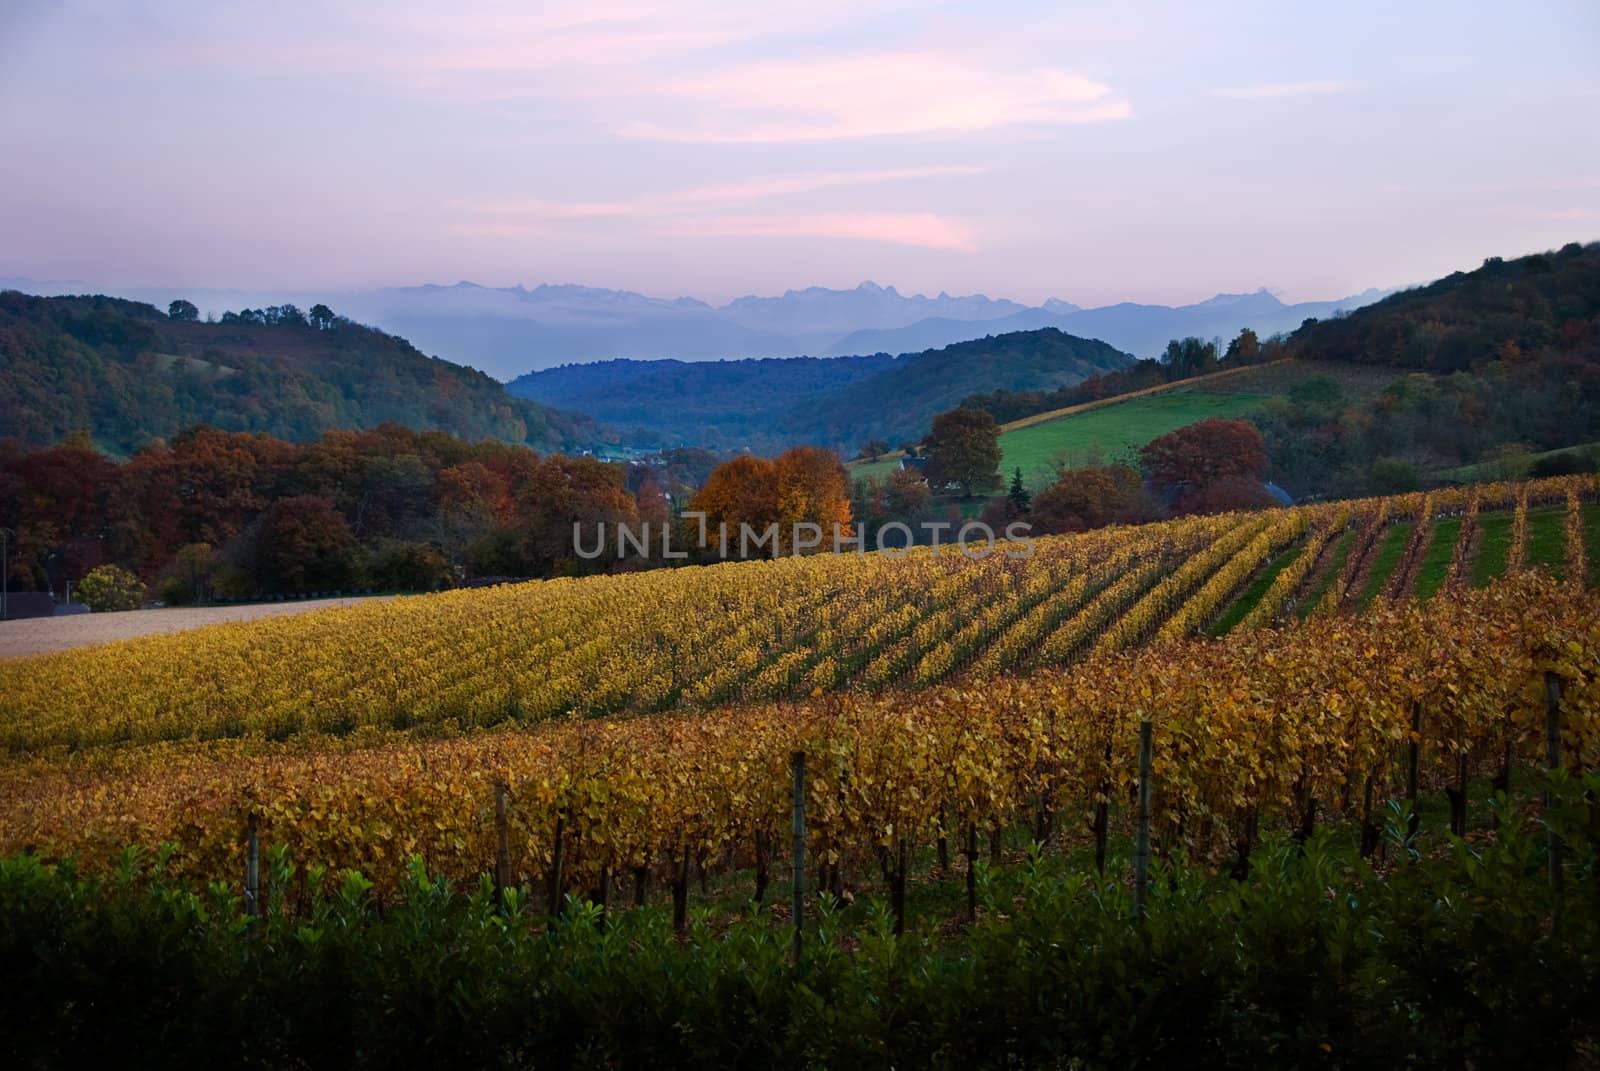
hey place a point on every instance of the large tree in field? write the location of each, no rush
(805, 485)
(813, 488)
(964, 449)
(1209, 466)
(741, 491)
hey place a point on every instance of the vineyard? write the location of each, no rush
(934, 697)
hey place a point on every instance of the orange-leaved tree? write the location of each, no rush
(804, 485)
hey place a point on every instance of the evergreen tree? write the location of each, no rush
(1019, 495)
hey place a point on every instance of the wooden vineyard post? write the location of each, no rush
(1141, 856)
(502, 855)
(798, 907)
(557, 852)
(1552, 748)
(252, 869)
(1102, 816)
(972, 872)
(1412, 754)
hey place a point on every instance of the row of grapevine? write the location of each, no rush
(1517, 555)
(1460, 554)
(1273, 601)
(1576, 567)
(1205, 603)
(1263, 724)
(1370, 524)
(666, 639)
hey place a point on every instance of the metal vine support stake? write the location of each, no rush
(1141, 857)
(798, 762)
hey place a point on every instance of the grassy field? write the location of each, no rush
(1341, 554)
(1434, 569)
(1115, 433)
(1390, 549)
(1494, 543)
(1547, 541)
(1252, 595)
(1497, 470)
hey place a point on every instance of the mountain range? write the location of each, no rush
(508, 331)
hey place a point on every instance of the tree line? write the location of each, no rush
(212, 514)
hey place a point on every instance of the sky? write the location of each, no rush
(1089, 152)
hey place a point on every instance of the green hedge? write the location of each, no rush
(1455, 959)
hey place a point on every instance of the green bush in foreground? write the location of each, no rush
(1457, 960)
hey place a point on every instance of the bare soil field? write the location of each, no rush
(43, 635)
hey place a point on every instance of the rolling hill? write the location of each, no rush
(766, 405)
(128, 373)
(1114, 429)
(1544, 302)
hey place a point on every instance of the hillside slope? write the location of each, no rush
(128, 374)
(766, 405)
(1544, 302)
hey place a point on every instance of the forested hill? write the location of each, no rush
(768, 404)
(1506, 310)
(129, 373)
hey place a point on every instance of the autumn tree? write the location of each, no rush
(1209, 466)
(873, 449)
(303, 544)
(804, 485)
(813, 488)
(192, 570)
(1245, 349)
(1187, 357)
(560, 492)
(399, 565)
(906, 497)
(1089, 497)
(964, 449)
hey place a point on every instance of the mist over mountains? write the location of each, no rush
(509, 331)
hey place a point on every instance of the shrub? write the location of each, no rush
(110, 587)
(401, 566)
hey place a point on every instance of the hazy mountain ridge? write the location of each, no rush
(507, 331)
(1142, 330)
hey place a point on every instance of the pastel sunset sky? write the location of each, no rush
(1092, 152)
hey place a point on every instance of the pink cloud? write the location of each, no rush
(678, 202)
(921, 229)
(1283, 89)
(867, 95)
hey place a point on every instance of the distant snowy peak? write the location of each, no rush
(1261, 298)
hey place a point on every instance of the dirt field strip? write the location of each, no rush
(46, 635)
